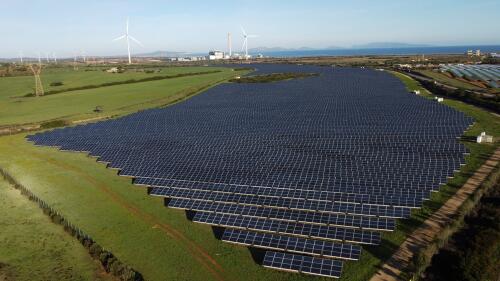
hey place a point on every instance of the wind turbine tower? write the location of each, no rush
(245, 41)
(229, 45)
(128, 37)
(21, 56)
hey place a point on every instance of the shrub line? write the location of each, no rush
(109, 261)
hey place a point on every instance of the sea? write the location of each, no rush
(382, 51)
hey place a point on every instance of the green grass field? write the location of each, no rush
(21, 85)
(34, 248)
(161, 243)
(114, 100)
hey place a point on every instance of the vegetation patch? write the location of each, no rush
(491, 103)
(273, 77)
(472, 253)
(53, 124)
(56, 84)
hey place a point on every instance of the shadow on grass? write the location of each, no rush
(257, 254)
(383, 252)
(190, 215)
(218, 231)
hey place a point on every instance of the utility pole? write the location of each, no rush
(38, 81)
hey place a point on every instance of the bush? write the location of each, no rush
(116, 268)
(53, 124)
(95, 251)
(266, 78)
(106, 258)
(55, 84)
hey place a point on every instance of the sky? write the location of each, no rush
(68, 27)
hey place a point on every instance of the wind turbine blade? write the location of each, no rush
(119, 38)
(127, 25)
(243, 30)
(136, 41)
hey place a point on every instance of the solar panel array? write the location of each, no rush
(309, 169)
(488, 73)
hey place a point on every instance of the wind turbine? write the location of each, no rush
(128, 37)
(229, 45)
(245, 41)
(21, 56)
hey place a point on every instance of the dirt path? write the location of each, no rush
(198, 253)
(425, 234)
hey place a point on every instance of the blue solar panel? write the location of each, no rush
(293, 244)
(303, 264)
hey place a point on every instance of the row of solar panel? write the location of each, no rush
(289, 228)
(339, 197)
(340, 220)
(292, 244)
(294, 204)
(374, 191)
(389, 188)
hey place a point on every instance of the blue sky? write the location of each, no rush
(69, 26)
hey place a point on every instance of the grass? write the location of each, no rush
(114, 100)
(159, 242)
(22, 85)
(33, 248)
(130, 81)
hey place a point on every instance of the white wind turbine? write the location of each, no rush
(128, 37)
(245, 41)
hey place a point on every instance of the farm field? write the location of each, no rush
(114, 100)
(440, 77)
(155, 240)
(34, 248)
(17, 86)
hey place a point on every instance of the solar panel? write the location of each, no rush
(293, 244)
(303, 264)
(332, 159)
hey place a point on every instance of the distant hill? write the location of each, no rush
(278, 49)
(388, 45)
(157, 54)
